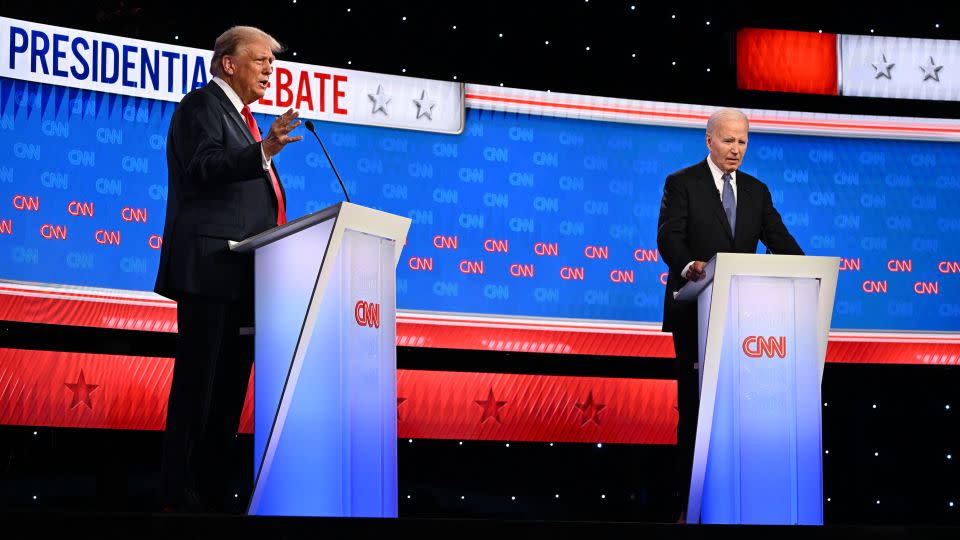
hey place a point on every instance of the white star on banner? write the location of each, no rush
(883, 68)
(425, 106)
(380, 101)
(931, 71)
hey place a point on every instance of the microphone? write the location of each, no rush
(309, 125)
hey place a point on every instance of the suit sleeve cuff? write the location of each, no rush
(264, 159)
(683, 273)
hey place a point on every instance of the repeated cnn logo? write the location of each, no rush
(367, 314)
(759, 346)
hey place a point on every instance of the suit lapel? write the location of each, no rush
(231, 111)
(713, 195)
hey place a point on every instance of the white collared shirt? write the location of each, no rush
(718, 179)
(238, 104)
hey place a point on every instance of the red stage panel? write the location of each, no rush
(60, 389)
(787, 61)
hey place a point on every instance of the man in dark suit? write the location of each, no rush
(708, 208)
(222, 186)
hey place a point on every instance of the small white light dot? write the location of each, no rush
(551, 444)
(948, 407)
(871, 31)
(237, 495)
(294, 1)
(708, 70)
(501, 84)
(634, 55)
(938, 26)
(34, 497)
(404, 70)
(599, 445)
(455, 78)
(828, 499)
(176, 37)
(876, 453)
(826, 451)
(874, 405)
(602, 496)
(461, 442)
(508, 444)
(501, 34)
(951, 504)
(462, 497)
(294, 53)
(633, 7)
(34, 432)
(556, 495)
(673, 63)
(824, 403)
(708, 23)
(404, 18)
(546, 42)
(410, 441)
(673, 16)
(408, 496)
(878, 501)
(548, 90)
(949, 456)
(512, 498)
(454, 27)
(349, 62)
(348, 10)
(819, 31)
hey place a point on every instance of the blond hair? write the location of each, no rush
(234, 40)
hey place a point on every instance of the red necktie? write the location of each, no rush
(255, 131)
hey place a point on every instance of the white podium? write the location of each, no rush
(325, 429)
(763, 327)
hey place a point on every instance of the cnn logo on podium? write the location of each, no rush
(367, 314)
(760, 346)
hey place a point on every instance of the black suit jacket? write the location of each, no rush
(693, 227)
(218, 191)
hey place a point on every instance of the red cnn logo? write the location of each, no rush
(26, 202)
(445, 242)
(138, 215)
(77, 208)
(53, 232)
(757, 346)
(155, 241)
(367, 314)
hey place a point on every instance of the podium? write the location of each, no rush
(325, 418)
(763, 327)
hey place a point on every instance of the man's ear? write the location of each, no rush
(227, 64)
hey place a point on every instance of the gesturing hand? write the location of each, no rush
(695, 272)
(278, 136)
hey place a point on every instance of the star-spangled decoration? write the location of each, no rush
(590, 410)
(424, 106)
(400, 401)
(931, 71)
(883, 67)
(380, 101)
(491, 407)
(81, 392)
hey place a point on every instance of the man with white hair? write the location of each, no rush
(708, 208)
(222, 186)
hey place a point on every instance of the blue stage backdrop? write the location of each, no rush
(519, 215)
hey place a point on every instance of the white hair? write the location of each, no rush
(234, 40)
(725, 114)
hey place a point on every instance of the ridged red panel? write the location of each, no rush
(787, 61)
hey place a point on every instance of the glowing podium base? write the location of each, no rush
(325, 418)
(763, 326)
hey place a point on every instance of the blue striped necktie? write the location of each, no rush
(729, 202)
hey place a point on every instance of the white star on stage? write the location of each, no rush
(883, 68)
(380, 100)
(425, 106)
(931, 71)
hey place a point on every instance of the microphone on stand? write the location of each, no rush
(309, 125)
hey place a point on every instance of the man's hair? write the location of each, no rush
(234, 40)
(725, 114)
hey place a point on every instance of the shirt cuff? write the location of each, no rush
(264, 159)
(683, 273)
